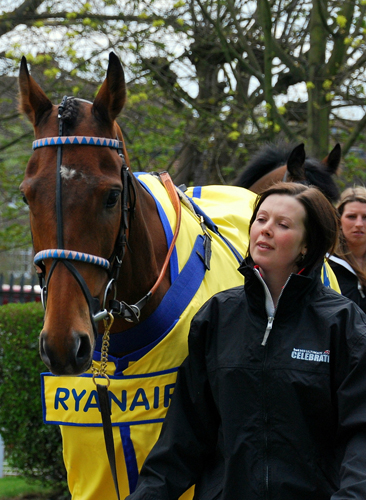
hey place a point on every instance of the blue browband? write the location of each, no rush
(71, 255)
(77, 139)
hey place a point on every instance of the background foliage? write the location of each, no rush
(209, 81)
(33, 448)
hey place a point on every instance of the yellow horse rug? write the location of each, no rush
(212, 241)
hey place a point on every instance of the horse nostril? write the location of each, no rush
(83, 350)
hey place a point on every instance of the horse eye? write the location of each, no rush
(112, 199)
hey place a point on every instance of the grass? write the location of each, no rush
(17, 488)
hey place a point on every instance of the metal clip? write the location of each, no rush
(103, 313)
(100, 315)
(134, 312)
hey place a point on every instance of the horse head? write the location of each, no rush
(281, 161)
(74, 192)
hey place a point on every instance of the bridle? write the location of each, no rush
(113, 264)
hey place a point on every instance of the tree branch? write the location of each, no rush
(10, 20)
(354, 135)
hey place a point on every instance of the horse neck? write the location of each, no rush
(267, 180)
(144, 258)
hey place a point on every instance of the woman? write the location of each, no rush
(271, 401)
(349, 262)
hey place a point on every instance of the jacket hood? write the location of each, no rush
(342, 262)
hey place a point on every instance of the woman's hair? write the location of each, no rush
(349, 195)
(321, 221)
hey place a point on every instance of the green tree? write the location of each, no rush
(15, 136)
(217, 77)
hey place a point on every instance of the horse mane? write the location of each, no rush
(268, 158)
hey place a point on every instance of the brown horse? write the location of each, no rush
(88, 219)
(282, 161)
(107, 241)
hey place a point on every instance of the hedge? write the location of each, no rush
(32, 448)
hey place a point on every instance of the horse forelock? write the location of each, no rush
(70, 113)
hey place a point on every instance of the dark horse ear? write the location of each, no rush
(296, 162)
(333, 160)
(112, 94)
(32, 100)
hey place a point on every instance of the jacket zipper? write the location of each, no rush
(266, 432)
(270, 308)
(268, 329)
(271, 312)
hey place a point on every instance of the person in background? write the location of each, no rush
(270, 403)
(349, 261)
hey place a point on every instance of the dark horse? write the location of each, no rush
(282, 161)
(110, 243)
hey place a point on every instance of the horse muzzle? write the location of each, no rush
(75, 357)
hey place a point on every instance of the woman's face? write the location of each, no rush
(277, 236)
(353, 222)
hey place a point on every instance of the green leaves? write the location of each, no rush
(33, 448)
(212, 69)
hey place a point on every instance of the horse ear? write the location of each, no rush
(32, 100)
(333, 160)
(295, 163)
(112, 94)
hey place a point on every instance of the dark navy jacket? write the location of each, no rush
(348, 281)
(280, 421)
